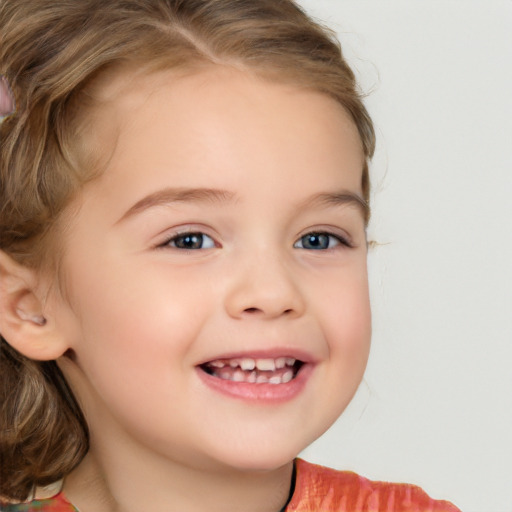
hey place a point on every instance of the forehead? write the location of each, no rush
(222, 125)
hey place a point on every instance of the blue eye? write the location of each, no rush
(191, 241)
(318, 241)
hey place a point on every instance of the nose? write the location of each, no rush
(264, 286)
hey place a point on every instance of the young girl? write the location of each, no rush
(184, 300)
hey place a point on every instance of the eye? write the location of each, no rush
(319, 241)
(190, 241)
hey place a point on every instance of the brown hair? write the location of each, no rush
(52, 52)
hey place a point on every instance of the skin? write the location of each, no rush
(140, 314)
(7, 106)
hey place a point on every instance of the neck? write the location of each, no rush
(123, 486)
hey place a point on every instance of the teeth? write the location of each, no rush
(239, 376)
(267, 365)
(225, 374)
(280, 362)
(247, 364)
(287, 377)
(253, 371)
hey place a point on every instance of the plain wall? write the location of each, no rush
(435, 408)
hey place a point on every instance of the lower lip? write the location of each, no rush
(261, 393)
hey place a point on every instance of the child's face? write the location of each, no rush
(228, 226)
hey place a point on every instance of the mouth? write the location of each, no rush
(274, 371)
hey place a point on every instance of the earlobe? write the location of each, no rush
(24, 323)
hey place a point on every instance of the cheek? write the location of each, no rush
(132, 343)
(136, 347)
(135, 326)
(347, 322)
(143, 297)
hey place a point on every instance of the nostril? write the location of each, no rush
(251, 310)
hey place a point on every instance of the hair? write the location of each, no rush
(53, 53)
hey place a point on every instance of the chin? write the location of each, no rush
(262, 458)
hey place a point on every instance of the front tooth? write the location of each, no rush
(234, 363)
(290, 361)
(247, 364)
(267, 365)
(251, 378)
(262, 379)
(280, 362)
(275, 380)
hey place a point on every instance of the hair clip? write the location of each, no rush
(7, 103)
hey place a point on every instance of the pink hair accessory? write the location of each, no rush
(7, 103)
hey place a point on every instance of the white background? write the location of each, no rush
(435, 408)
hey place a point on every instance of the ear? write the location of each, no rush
(26, 322)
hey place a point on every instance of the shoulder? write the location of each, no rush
(56, 504)
(329, 490)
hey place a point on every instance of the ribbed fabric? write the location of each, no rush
(324, 489)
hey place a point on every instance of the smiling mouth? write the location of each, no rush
(276, 371)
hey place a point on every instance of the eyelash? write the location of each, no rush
(188, 234)
(339, 241)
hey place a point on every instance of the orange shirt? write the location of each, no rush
(318, 488)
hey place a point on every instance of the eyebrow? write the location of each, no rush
(342, 198)
(176, 195)
(202, 195)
